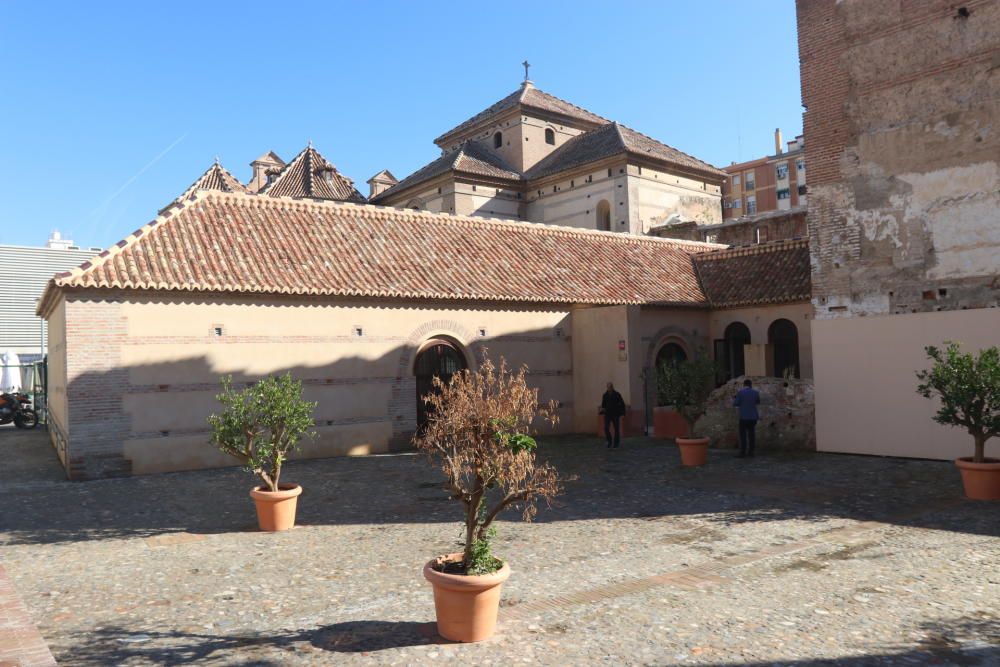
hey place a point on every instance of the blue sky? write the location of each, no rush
(112, 109)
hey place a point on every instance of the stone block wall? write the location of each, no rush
(787, 415)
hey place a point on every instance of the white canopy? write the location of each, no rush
(10, 378)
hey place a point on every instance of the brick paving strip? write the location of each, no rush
(21, 645)
(709, 573)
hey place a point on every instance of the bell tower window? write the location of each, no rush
(550, 136)
(498, 140)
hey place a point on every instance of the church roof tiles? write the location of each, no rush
(613, 139)
(529, 97)
(309, 174)
(220, 242)
(469, 158)
(775, 272)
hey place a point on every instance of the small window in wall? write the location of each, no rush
(784, 193)
(609, 173)
(781, 171)
(550, 136)
(736, 180)
(751, 205)
(498, 140)
(800, 165)
(802, 189)
(737, 203)
(751, 183)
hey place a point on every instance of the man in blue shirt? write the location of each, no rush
(747, 399)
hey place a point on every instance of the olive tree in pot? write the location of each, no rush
(968, 389)
(686, 386)
(261, 425)
(479, 431)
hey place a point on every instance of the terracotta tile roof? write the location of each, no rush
(384, 176)
(310, 174)
(775, 272)
(469, 158)
(244, 243)
(613, 139)
(527, 96)
(270, 157)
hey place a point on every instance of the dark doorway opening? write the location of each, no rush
(437, 358)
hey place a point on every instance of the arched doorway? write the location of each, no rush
(671, 353)
(440, 358)
(604, 215)
(783, 336)
(731, 355)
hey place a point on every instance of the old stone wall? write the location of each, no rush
(903, 127)
(787, 415)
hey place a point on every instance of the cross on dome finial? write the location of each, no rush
(526, 66)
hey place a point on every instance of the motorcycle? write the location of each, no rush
(14, 408)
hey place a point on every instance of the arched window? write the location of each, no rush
(550, 136)
(414, 204)
(731, 353)
(604, 215)
(498, 140)
(439, 358)
(783, 337)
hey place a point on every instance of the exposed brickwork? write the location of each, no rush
(95, 384)
(904, 181)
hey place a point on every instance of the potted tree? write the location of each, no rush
(686, 386)
(968, 388)
(260, 426)
(479, 431)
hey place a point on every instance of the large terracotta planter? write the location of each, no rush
(466, 606)
(276, 509)
(668, 423)
(981, 480)
(694, 451)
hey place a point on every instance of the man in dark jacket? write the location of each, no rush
(747, 399)
(613, 409)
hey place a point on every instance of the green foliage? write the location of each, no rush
(507, 435)
(968, 388)
(482, 560)
(262, 424)
(686, 386)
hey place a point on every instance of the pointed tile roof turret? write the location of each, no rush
(215, 177)
(309, 174)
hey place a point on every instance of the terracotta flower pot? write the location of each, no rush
(276, 509)
(466, 606)
(694, 451)
(981, 480)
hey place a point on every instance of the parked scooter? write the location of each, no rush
(14, 408)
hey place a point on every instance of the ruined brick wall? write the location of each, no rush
(903, 145)
(787, 415)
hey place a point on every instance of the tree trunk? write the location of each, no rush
(980, 455)
(470, 531)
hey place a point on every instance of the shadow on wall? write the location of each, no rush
(152, 417)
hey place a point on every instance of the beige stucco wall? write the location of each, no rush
(57, 403)
(866, 399)
(654, 196)
(172, 359)
(597, 359)
(574, 201)
(759, 318)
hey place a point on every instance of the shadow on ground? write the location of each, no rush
(114, 645)
(965, 641)
(642, 480)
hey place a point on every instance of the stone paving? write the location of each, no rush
(803, 559)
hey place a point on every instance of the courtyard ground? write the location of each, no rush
(805, 559)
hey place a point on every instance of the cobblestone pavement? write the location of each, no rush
(803, 559)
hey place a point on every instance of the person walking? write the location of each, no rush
(613, 409)
(747, 399)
